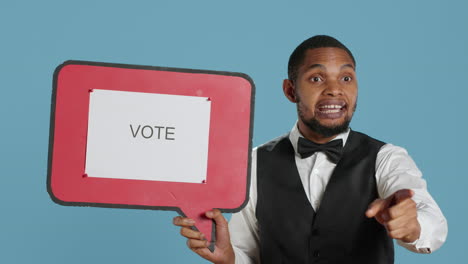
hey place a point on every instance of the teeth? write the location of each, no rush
(331, 111)
(331, 106)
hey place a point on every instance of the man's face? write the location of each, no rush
(326, 90)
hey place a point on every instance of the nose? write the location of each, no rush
(333, 88)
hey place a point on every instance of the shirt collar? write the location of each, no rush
(295, 134)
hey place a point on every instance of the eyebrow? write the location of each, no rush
(316, 66)
(321, 66)
(347, 65)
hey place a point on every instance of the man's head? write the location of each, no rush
(322, 83)
(320, 41)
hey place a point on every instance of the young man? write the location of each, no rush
(324, 193)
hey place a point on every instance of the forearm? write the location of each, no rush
(395, 170)
(433, 224)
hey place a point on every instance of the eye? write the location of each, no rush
(347, 78)
(316, 79)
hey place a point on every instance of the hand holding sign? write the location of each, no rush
(398, 214)
(151, 138)
(223, 252)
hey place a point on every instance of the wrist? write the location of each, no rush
(230, 257)
(414, 236)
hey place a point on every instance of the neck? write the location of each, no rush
(312, 135)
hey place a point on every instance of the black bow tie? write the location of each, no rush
(332, 149)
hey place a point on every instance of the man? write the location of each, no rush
(324, 193)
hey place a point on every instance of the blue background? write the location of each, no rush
(412, 59)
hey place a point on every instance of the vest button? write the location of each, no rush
(315, 232)
(316, 253)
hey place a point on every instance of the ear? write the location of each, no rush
(289, 90)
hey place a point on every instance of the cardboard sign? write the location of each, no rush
(151, 138)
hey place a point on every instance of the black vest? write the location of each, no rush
(339, 232)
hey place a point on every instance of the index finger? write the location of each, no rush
(376, 206)
(183, 221)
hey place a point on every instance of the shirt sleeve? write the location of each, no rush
(243, 225)
(396, 170)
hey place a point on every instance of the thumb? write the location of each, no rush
(222, 230)
(402, 195)
(377, 206)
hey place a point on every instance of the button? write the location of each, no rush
(425, 250)
(316, 253)
(315, 232)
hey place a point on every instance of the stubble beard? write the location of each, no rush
(325, 131)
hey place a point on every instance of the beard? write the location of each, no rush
(325, 131)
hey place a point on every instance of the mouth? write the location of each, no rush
(331, 109)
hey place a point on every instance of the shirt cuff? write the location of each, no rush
(423, 243)
(417, 246)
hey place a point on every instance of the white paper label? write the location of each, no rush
(146, 136)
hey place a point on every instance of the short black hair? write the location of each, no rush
(319, 41)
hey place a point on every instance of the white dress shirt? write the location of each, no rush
(395, 170)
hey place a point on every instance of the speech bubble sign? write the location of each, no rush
(102, 140)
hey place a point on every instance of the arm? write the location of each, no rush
(424, 226)
(243, 225)
(236, 242)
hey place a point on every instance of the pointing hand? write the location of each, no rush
(398, 214)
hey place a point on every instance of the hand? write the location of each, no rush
(223, 253)
(398, 214)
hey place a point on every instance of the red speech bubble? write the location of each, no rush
(229, 143)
